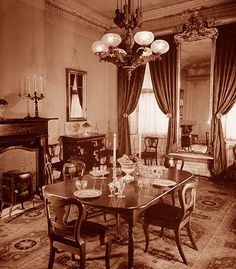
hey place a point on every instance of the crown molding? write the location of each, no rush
(162, 21)
(84, 18)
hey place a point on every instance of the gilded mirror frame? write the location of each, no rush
(194, 30)
(76, 92)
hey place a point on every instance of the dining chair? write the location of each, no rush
(73, 168)
(74, 235)
(174, 161)
(150, 149)
(55, 157)
(173, 217)
(178, 163)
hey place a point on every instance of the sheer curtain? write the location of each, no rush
(228, 122)
(151, 120)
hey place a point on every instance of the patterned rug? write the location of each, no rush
(24, 242)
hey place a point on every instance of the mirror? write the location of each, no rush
(76, 82)
(195, 73)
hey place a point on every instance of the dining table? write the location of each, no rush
(137, 196)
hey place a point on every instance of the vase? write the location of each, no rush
(2, 112)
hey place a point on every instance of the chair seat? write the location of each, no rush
(163, 211)
(93, 233)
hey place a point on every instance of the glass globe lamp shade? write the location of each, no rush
(144, 38)
(160, 46)
(111, 40)
(98, 47)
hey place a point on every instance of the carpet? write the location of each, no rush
(24, 242)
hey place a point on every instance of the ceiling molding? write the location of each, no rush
(162, 21)
(61, 10)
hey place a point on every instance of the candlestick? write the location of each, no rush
(36, 98)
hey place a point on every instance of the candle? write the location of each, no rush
(114, 149)
(139, 145)
(34, 83)
(19, 88)
(27, 85)
(41, 85)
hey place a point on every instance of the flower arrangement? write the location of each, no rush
(3, 102)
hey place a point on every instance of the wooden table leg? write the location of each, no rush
(130, 247)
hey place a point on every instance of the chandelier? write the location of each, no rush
(131, 50)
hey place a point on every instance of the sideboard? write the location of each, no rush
(84, 147)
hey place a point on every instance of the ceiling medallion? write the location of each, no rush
(131, 50)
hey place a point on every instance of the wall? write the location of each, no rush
(34, 40)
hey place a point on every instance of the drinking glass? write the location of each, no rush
(78, 184)
(103, 169)
(84, 184)
(111, 186)
(121, 188)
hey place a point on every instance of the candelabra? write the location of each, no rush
(36, 97)
(32, 90)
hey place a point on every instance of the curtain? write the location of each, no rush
(163, 75)
(128, 95)
(224, 90)
(157, 124)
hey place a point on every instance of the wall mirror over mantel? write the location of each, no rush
(196, 46)
(76, 91)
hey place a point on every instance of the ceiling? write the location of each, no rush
(159, 16)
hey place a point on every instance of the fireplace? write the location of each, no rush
(31, 134)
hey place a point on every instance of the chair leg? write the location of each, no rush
(145, 229)
(104, 216)
(51, 257)
(173, 197)
(177, 237)
(190, 236)
(108, 254)
(118, 227)
(162, 231)
(10, 211)
(82, 256)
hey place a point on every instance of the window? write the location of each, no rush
(148, 119)
(228, 122)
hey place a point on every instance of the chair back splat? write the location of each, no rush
(150, 150)
(72, 233)
(73, 168)
(173, 217)
(174, 161)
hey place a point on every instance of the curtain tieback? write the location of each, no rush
(168, 115)
(219, 115)
(125, 115)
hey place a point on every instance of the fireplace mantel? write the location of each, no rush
(31, 133)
